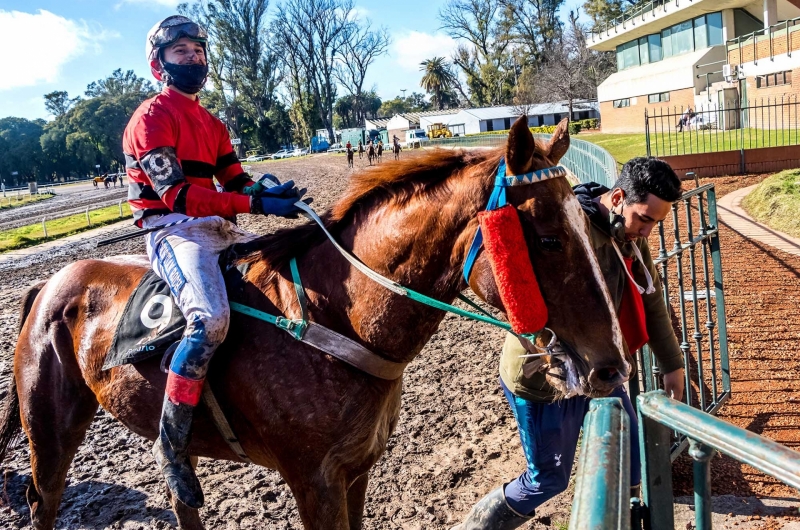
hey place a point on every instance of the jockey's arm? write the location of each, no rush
(166, 174)
(228, 170)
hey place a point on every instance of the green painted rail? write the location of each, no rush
(659, 416)
(602, 487)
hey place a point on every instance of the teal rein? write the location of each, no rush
(297, 327)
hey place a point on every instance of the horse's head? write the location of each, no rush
(591, 354)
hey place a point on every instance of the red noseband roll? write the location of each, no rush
(513, 272)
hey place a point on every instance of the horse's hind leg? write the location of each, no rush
(322, 505)
(188, 518)
(56, 408)
(356, 497)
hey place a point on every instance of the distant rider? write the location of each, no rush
(173, 149)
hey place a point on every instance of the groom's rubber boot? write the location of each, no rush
(171, 447)
(493, 513)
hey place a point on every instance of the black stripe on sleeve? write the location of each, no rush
(226, 161)
(195, 168)
(237, 183)
(179, 206)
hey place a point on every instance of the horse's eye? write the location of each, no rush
(551, 244)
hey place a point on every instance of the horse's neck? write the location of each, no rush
(420, 245)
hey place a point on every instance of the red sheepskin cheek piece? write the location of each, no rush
(513, 272)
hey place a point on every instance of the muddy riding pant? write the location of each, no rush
(549, 434)
(186, 257)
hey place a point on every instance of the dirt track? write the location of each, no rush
(456, 438)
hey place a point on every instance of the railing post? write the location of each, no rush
(88, 220)
(647, 132)
(655, 446)
(716, 260)
(702, 455)
(602, 486)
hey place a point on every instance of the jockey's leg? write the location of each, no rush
(186, 258)
(549, 434)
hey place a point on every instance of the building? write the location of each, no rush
(473, 121)
(676, 54)
(400, 123)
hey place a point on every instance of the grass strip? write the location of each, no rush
(13, 201)
(776, 202)
(33, 234)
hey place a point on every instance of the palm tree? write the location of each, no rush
(438, 79)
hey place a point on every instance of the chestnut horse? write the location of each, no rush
(320, 422)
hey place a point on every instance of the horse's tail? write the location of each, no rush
(10, 422)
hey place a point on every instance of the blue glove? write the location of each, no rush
(279, 200)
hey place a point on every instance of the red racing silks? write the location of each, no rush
(631, 313)
(513, 273)
(182, 390)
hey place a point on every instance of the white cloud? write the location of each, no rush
(414, 47)
(38, 45)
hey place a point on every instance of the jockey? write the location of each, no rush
(621, 220)
(173, 148)
(349, 146)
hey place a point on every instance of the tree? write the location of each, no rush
(243, 69)
(58, 103)
(604, 11)
(438, 81)
(21, 152)
(357, 53)
(119, 85)
(310, 34)
(572, 71)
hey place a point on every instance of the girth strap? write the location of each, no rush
(222, 424)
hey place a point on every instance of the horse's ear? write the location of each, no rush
(520, 147)
(559, 142)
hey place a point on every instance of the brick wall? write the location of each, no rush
(764, 160)
(760, 50)
(631, 119)
(774, 107)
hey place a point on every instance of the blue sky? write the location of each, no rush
(66, 44)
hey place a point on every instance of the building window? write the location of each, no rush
(776, 79)
(507, 123)
(690, 35)
(620, 103)
(661, 97)
(489, 125)
(458, 130)
(557, 118)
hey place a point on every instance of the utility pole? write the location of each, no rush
(403, 90)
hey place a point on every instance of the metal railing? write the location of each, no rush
(774, 122)
(632, 15)
(602, 485)
(695, 287)
(589, 162)
(659, 416)
(779, 30)
(602, 499)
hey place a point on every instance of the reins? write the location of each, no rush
(497, 199)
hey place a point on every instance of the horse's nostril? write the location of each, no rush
(607, 374)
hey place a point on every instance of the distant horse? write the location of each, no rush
(319, 421)
(350, 157)
(396, 150)
(379, 151)
(360, 150)
(371, 153)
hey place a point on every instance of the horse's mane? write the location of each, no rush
(397, 182)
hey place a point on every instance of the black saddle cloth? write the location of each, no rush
(152, 322)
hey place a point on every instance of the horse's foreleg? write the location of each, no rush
(356, 496)
(56, 408)
(322, 505)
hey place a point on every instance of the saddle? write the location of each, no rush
(151, 323)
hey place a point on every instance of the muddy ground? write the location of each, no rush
(456, 438)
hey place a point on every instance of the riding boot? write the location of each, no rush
(170, 452)
(493, 513)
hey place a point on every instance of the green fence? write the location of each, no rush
(602, 497)
(587, 161)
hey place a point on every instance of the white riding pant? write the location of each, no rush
(186, 257)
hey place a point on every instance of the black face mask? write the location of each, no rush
(188, 78)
